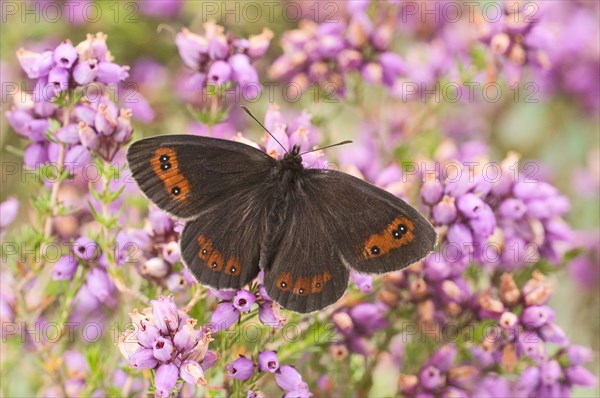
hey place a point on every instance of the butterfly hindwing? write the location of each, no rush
(185, 174)
(221, 248)
(305, 272)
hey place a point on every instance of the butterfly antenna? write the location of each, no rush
(261, 125)
(328, 146)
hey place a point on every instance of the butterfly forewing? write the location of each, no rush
(185, 174)
(375, 231)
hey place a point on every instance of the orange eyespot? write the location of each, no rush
(205, 247)
(233, 266)
(317, 284)
(398, 233)
(215, 261)
(302, 287)
(166, 167)
(284, 282)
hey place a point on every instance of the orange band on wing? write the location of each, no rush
(398, 233)
(166, 166)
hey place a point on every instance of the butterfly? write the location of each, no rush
(245, 211)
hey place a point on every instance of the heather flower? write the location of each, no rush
(230, 309)
(215, 60)
(165, 338)
(8, 212)
(166, 378)
(288, 378)
(364, 282)
(240, 369)
(64, 269)
(86, 249)
(268, 362)
(65, 70)
(326, 53)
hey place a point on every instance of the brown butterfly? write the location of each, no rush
(246, 212)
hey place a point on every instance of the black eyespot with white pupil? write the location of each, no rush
(301, 290)
(163, 158)
(165, 166)
(400, 231)
(318, 284)
(175, 191)
(204, 251)
(283, 284)
(375, 250)
(214, 264)
(232, 270)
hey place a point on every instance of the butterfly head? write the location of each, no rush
(292, 160)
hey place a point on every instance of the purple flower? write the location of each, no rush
(445, 211)
(8, 212)
(64, 269)
(109, 72)
(161, 9)
(443, 358)
(65, 54)
(147, 335)
(431, 378)
(470, 205)
(580, 376)
(185, 338)
(58, 78)
(162, 349)
(191, 372)
(364, 282)
(368, 318)
(35, 64)
(167, 375)
(268, 362)
(86, 249)
(578, 354)
(155, 267)
(224, 316)
(240, 369)
(219, 72)
(86, 71)
(536, 316)
(243, 300)
(215, 59)
(143, 359)
(288, 378)
(165, 314)
(269, 315)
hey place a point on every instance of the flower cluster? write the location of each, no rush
(235, 302)
(357, 325)
(216, 58)
(165, 339)
(68, 66)
(286, 376)
(155, 251)
(518, 343)
(518, 39)
(65, 74)
(502, 220)
(326, 53)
